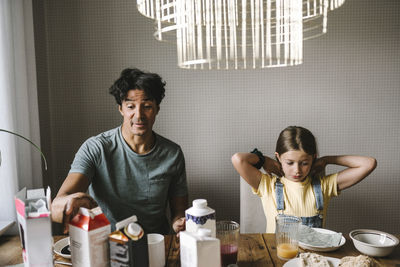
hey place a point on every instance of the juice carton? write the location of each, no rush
(33, 213)
(199, 249)
(128, 244)
(88, 233)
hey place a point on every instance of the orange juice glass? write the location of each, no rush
(287, 236)
(287, 251)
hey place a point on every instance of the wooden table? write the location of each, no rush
(254, 250)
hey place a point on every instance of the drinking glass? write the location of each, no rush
(228, 234)
(156, 248)
(287, 236)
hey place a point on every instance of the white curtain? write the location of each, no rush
(20, 162)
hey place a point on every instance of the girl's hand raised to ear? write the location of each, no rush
(318, 166)
(272, 166)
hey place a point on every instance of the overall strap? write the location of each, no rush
(280, 205)
(319, 198)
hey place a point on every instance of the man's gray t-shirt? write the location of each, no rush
(125, 183)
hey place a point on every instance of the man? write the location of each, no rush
(129, 170)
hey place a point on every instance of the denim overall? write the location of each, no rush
(312, 221)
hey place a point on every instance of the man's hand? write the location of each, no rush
(179, 225)
(178, 205)
(74, 202)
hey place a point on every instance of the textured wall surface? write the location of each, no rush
(346, 92)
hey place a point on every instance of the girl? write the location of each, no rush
(298, 190)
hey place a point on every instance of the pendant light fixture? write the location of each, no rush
(238, 34)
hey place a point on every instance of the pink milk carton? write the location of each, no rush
(33, 213)
(88, 233)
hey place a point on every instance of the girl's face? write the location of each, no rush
(296, 164)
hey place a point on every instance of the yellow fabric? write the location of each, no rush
(298, 197)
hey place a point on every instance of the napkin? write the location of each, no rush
(309, 236)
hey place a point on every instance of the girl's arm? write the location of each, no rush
(359, 167)
(244, 165)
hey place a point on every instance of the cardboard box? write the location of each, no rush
(88, 233)
(128, 245)
(34, 221)
(199, 249)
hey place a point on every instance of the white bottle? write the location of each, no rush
(199, 249)
(200, 216)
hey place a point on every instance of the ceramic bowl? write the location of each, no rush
(373, 242)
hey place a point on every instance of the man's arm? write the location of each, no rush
(71, 196)
(178, 206)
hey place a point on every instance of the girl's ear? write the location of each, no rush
(277, 157)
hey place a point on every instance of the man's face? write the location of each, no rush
(139, 113)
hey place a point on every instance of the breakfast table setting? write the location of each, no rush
(205, 242)
(257, 249)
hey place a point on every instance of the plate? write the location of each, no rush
(334, 262)
(60, 248)
(317, 248)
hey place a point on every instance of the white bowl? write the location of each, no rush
(373, 243)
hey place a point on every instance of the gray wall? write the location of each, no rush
(346, 92)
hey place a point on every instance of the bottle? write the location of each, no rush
(200, 216)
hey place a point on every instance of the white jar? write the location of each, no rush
(200, 216)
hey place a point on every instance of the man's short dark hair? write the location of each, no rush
(132, 79)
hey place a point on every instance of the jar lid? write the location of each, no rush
(200, 203)
(134, 229)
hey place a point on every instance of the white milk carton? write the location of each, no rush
(33, 213)
(199, 249)
(88, 233)
(200, 216)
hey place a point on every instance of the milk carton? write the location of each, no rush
(200, 216)
(33, 213)
(199, 249)
(88, 233)
(128, 245)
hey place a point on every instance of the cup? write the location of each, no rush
(287, 236)
(228, 234)
(156, 246)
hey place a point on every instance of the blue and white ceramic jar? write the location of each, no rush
(200, 216)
